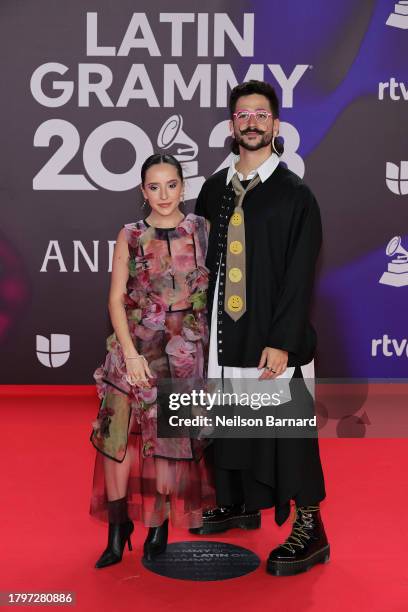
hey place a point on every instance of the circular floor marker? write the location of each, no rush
(203, 561)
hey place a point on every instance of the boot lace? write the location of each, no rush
(299, 534)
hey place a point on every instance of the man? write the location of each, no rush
(265, 236)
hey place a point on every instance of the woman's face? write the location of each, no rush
(163, 188)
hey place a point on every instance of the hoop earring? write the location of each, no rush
(279, 153)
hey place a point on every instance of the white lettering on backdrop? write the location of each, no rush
(90, 84)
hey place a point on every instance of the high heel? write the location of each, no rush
(120, 530)
(118, 536)
(156, 541)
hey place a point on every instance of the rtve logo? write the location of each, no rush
(399, 18)
(396, 177)
(392, 90)
(389, 347)
(55, 352)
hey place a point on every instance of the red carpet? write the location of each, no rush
(49, 542)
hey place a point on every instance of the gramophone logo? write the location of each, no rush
(171, 136)
(397, 269)
(399, 18)
(53, 353)
(396, 177)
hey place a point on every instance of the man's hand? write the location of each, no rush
(274, 359)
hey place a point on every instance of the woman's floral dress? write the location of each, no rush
(165, 304)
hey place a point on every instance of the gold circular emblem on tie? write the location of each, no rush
(235, 303)
(236, 247)
(236, 219)
(235, 275)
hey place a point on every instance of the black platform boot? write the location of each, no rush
(306, 545)
(222, 518)
(156, 541)
(120, 530)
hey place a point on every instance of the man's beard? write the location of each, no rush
(265, 140)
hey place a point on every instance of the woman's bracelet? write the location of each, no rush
(138, 357)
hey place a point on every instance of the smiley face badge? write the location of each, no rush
(235, 275)
(235, 247)
(236, 219)
(235, 303)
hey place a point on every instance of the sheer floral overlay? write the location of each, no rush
(165, 304)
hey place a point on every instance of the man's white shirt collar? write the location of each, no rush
(264, 170)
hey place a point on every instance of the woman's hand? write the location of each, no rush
(274, 361)
(138, 371)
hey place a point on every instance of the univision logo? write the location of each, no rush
(396, 177)
(399, 18)
(53, 352)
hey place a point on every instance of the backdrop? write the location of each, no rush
(90, 89)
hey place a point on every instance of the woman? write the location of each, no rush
(157, 305)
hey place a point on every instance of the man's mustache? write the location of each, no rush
(252, 130)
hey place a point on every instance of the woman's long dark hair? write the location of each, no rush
(160, 158)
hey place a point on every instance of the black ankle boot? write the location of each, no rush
(156, 541)
(306, 545)
(120, 530)
(222, 518)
